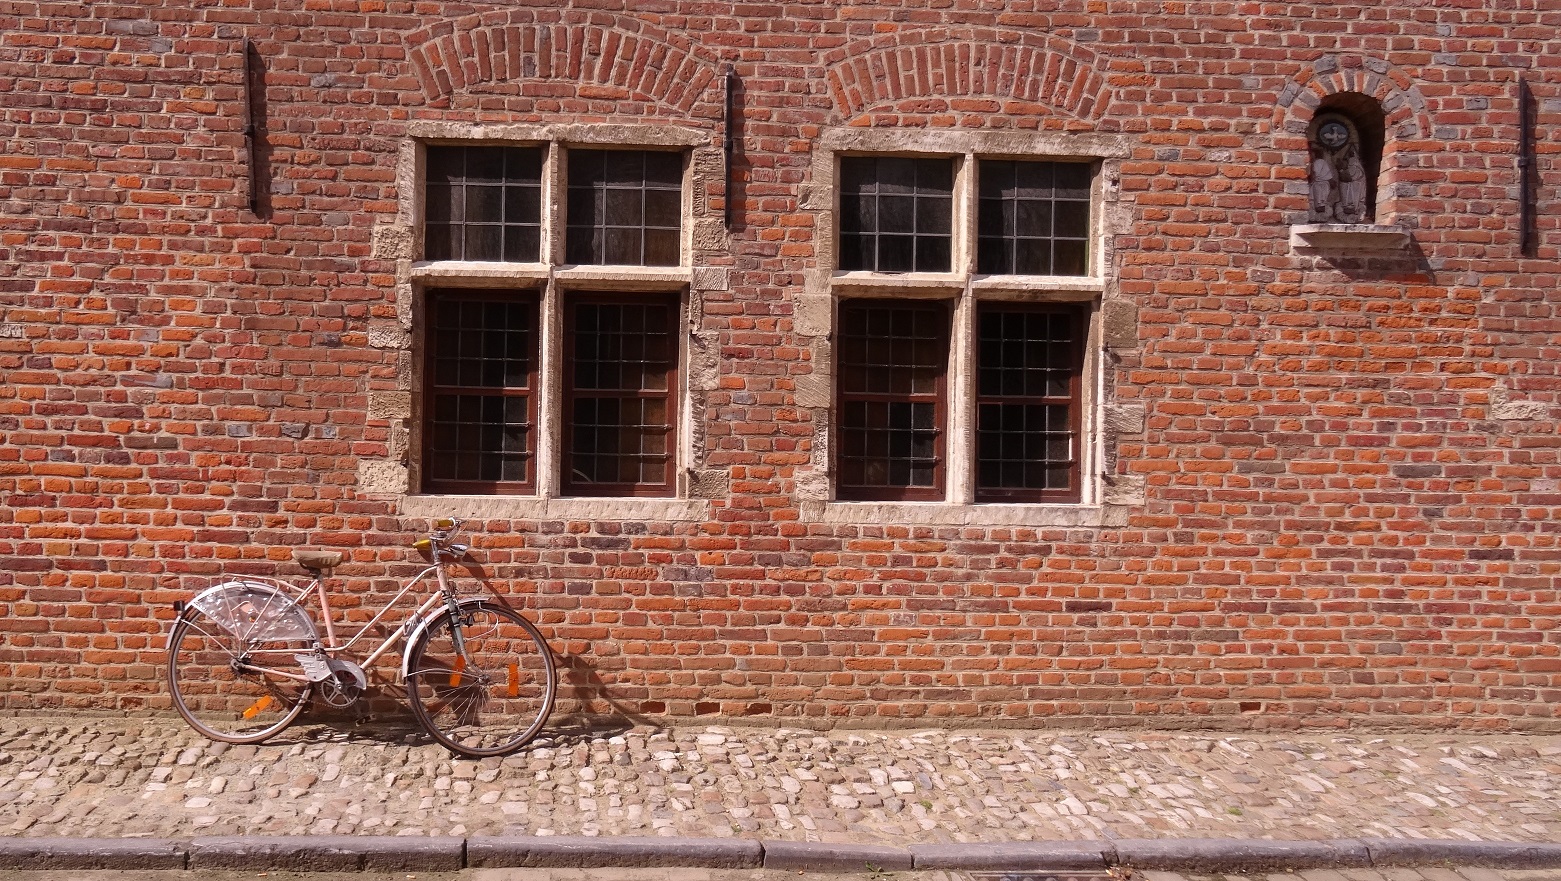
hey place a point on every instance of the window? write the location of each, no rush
(625, 207)
(1028, 367)
(483, 203)
(620, 367)
(896, 214)
(1034, 218)
(963, 310)
(892, 362)
(481, 407)
(590, 407)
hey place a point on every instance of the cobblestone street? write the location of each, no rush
(116, 776)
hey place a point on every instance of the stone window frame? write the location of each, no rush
(553, 281)
(1105, 499)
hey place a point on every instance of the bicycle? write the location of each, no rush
(245, 658)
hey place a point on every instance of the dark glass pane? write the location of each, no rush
(664, 169)
(446, 164)
(1072, 219)
(896, 254)
(1069, 258)
(622, 245)
(484, 204)
(992, 256)
(661, 247)
(522, 205)
(485, 164)
(522, 244)
(896, 214)
(484, 242)
(441, 241)
(932, 254)
(1033, 257)
(663, 208)
(441, 204)
(934, 215)
(625, 208)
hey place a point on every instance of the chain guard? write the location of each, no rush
(346, 684)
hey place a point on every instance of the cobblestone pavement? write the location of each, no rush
(151, 776)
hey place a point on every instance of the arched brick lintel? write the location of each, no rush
(1402, 104)
(1029, 70)
(633, 59)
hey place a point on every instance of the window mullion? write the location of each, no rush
(549, 397)
(959, 450)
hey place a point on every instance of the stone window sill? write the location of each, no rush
(946, 514)
(537, 508)
(1348, 237)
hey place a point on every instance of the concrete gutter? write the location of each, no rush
(384, 853)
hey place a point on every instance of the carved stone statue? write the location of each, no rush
(1338, 175)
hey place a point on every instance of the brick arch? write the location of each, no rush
(1406, 120)
(614, 53)
(1034, 71)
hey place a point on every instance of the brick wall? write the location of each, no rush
(1345, 472)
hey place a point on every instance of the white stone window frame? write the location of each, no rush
(554, 281)
(1099, 504)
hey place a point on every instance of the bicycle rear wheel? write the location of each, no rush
(493, 699)
(231, 689)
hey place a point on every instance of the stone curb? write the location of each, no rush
(586, 852)
(817, 856)
(321, 853)
(1495, 854)
(1039, 856)
(1215, 855)
(329, 853)
(91, 853)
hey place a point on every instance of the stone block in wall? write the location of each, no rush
(709, 483)
(390, 405)
(1124, 418)
(380, 477)
(1124, 489)
(814, 315)
(1119, 323)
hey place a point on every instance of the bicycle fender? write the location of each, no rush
(254, 610)
(424, 624)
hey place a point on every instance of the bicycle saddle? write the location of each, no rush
(317, 561)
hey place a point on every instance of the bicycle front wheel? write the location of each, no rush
(232, 689)
(494, 697)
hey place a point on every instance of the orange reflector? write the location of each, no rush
(455, 675)
(514, 680)
(257, 707)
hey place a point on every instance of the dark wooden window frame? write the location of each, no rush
(939, 489)
(1079, 313)
(568, 396)
(431, 391)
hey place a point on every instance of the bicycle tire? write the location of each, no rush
(494, 701)
(230, 689)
